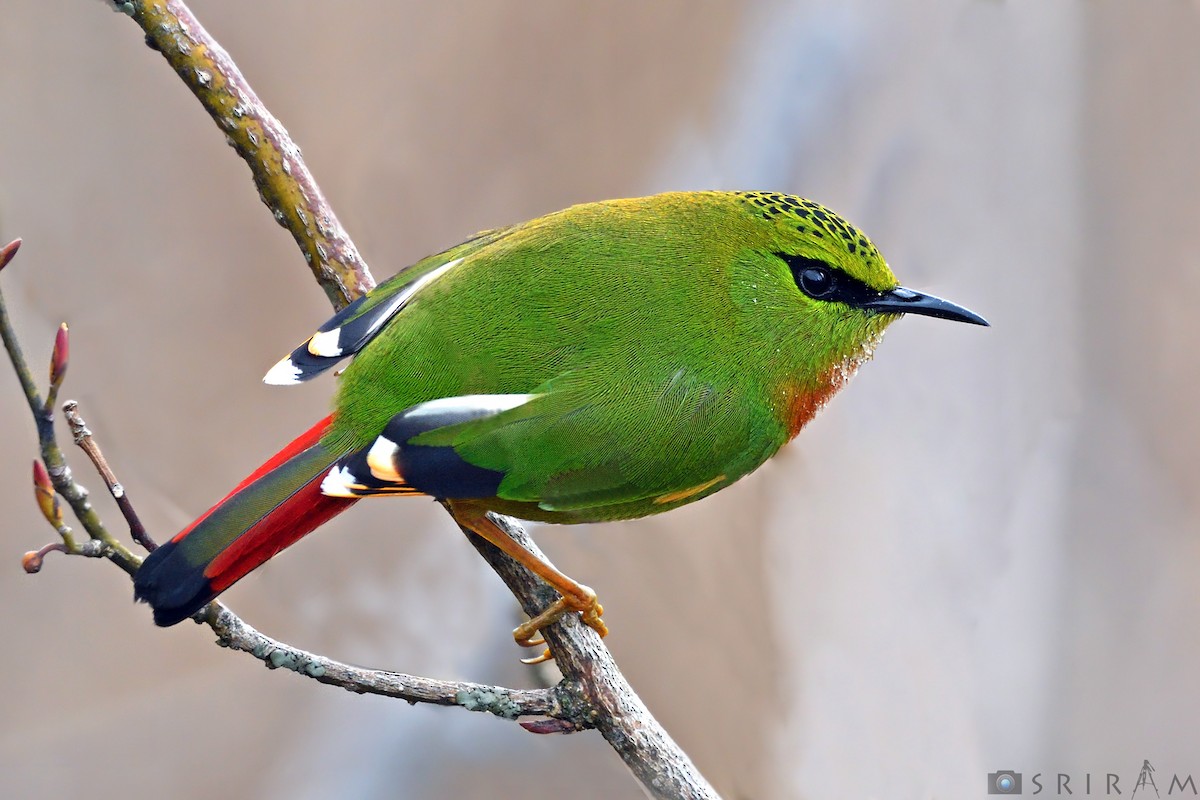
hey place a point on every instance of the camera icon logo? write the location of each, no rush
(1004, 781)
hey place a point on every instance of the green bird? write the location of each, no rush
(609, 361)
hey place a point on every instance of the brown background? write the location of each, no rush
(983, 555)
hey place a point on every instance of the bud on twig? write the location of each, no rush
(47, 499)
(58, 367)
(32, 561)
(545, 726)
(8, 251)
(58, 360)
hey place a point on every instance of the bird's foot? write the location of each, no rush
(527, 634)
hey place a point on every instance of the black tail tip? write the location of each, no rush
(174, 588)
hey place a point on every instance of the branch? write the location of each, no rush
(283, 180)
(593, 692)
(55, 476)
(235, 634)
(593, 682)
(83, 438)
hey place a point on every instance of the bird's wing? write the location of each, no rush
(349, 330)
(566, 446)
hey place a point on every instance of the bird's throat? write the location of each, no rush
(804, 402)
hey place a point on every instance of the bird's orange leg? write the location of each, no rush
(574, 595)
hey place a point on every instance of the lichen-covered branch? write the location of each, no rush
(235, 634)
(283, 180)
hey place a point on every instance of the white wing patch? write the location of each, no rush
(401, 300)
(284, 373)
(324, 348)
(390, 465)
(339, 482)
(325, 343)
(475, 405)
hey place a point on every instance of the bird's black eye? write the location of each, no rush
(816, 282)
(822, 281)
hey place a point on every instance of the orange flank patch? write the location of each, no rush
(684, 494)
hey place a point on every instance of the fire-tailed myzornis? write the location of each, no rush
(608, 361)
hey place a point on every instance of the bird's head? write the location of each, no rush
(835, 287)
(834, 264)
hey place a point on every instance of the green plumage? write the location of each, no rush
(665, 338)
(612, 360)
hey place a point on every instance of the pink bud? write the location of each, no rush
(545, 726)
(8, 251)
(43, 491)
(62, 351)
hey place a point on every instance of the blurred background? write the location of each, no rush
(981, 556)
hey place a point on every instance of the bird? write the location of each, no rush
(609, 361)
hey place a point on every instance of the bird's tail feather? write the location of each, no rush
(274, 507)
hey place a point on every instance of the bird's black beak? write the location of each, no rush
(906, 301)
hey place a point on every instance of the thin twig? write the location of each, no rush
(83, 437)
(52, 456)
(24, 374)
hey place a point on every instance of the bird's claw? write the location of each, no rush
(544, 657)
(527, 633)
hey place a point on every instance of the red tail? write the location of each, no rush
(273, 508)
